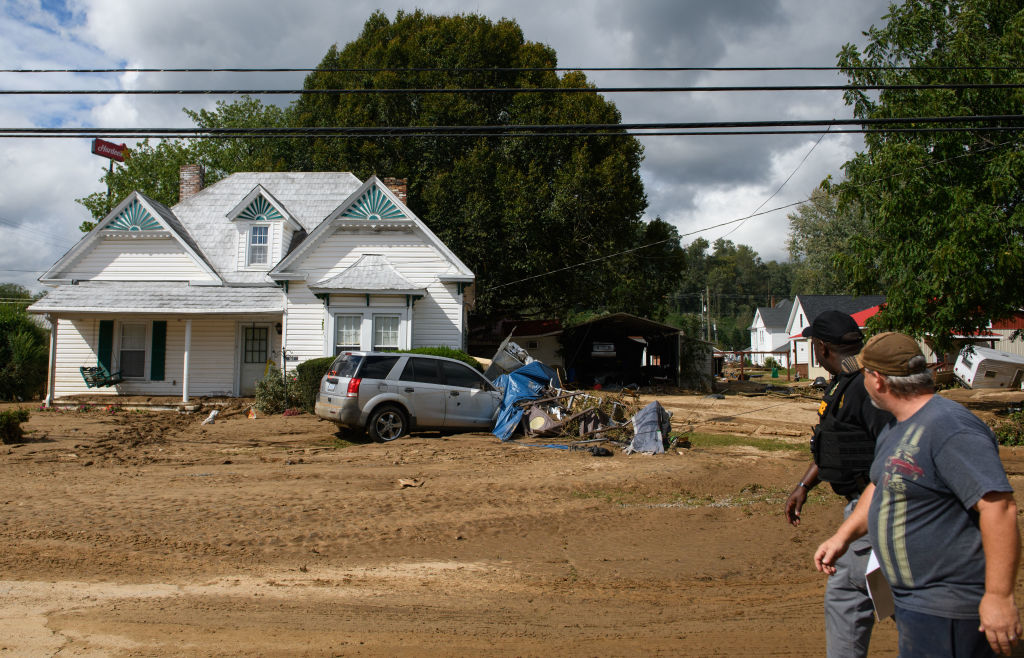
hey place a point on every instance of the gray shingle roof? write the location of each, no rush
(159, 297)
(371, 273)
(776, 317)
(814, 305)
(308, 196)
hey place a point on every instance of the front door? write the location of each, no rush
(254, 345)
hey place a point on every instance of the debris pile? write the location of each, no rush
(535, 405)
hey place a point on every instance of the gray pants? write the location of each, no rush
(849, 615)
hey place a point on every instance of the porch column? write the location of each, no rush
(284, 341)
(188, 347)
(51, 372)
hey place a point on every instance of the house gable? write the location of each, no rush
(371, 210)
(139, 240)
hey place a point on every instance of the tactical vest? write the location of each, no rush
(843, 451)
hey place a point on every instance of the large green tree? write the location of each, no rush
(947, 224)
(511, 207)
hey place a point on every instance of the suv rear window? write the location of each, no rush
(345, 365)
(377, 367)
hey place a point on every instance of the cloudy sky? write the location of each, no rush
(694, 181)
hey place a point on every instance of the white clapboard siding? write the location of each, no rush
(437, 318)
(213, 356)
(136, 260)
(306, 324)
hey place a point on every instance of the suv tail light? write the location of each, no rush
(353, 387)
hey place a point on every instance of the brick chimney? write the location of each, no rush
(190, 181)
(397, 185)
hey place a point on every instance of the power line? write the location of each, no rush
(93, 133)
(526, 69)
(508, 129)
(499, 90)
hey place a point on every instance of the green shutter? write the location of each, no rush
(106, 343)
(156, 360)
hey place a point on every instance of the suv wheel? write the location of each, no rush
(387, 423)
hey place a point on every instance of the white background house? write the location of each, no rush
(805, 309)
(258, 268)
(768, 335)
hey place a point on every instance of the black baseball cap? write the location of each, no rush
(834, 327)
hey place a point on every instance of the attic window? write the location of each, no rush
(373, 206)
(260, 209)
(134, 218)
(258, 241)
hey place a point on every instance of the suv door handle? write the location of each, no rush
(453, 393)
(410, 390)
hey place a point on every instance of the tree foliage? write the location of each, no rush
(722, 286)
(820, 233)
(510, 207)
(946, 239)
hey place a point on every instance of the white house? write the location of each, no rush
(768, 337)
(805, 309)
(259, 268)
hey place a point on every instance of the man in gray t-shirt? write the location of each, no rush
(929, 473)
(940, 513)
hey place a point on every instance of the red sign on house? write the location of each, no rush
(109, 149)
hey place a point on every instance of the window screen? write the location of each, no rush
(258, 241)
(133, 350)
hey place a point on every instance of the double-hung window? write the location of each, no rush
(348, 329)
(259, 241)
(132, 356)
(385, 332)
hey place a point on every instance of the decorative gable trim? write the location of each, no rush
(373, 205)
(135, 217)
(260, 205)
(347, 216)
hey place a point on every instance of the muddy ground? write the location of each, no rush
(126, 533)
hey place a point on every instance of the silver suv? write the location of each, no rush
(388, 395)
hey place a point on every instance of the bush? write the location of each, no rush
(447, 352)
(1011, 431)
(23, 350)
(307, 381)
(10, 425)
(275, 393)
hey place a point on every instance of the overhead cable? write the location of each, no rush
(513, 129)
(524, 69)
(348, 91)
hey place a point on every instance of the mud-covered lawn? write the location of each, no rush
(147, 533)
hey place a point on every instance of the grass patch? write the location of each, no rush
(725, 441)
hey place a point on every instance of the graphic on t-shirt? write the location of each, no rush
(900, 466)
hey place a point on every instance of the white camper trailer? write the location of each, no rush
(981, 367)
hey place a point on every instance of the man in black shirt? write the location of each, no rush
(843, 447)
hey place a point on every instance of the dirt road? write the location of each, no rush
(138, 534)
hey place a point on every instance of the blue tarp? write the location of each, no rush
(525, 383)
